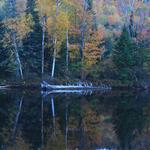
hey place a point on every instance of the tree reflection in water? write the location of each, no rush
(116, 120)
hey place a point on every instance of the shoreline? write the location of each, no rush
(113, 84)
(38, 87)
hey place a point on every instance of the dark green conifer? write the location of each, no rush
(124, 54)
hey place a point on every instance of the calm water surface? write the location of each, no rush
(118, 120)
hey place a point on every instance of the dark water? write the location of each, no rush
(118, 120)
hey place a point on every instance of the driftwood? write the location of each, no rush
(78, 86)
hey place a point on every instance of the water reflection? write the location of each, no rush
(115, 120)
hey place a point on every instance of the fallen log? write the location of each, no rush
(45, 86)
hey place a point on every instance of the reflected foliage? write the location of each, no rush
(119, 120)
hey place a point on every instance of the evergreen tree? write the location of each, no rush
(3, 54)
(32, 44)
(124, 55)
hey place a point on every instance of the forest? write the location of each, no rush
(75, 40)
(92, 60)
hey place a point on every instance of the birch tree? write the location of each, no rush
(57, 26)
(55, 44)
(68, 6)
(44, 10)
(51, 23)
(128, 9)
(18, 26)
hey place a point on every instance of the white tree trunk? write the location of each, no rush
(43, 42)
(55, 46)
(54, 58)
(17, 55)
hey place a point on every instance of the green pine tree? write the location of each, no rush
(124, 55)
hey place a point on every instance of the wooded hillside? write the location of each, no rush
(74, 40)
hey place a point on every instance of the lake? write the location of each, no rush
(113, 120)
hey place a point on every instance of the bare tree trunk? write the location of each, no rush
(128, 9)
(131, 25)
(55, 46)
(12, 13)
(43, 42)
(54, 58)
(67, 50)
(17, 55)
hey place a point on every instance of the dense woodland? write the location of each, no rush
(67, 40)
